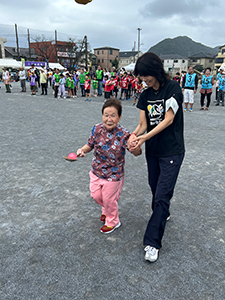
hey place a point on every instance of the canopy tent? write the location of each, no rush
(130, 67)
(222, 66)
(9, 63)
(56, 65)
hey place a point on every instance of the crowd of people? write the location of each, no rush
(66, 84)
(114, 84)
(189, 83)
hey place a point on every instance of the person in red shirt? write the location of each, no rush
(87, 87)
(138, 88)
(177, 77)
(129, 89)
(108, 87)
(124, 86)
(116, 80)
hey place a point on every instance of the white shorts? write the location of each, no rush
(188, 96)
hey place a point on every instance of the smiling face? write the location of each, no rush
(207, 72)
(110, 117)
(151, 81)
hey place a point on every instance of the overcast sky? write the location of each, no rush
(114, 22)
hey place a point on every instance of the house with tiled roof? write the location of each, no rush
(128, 57)
(202, 61)
(174, 63)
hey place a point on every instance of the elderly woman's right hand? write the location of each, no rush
(80, 153)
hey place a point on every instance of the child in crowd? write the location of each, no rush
(124, 86)
(62, 82)
(109, 141)
(138, 89)
(33, 83)
(116, 81)
(68, 88)
(177, 77)
(72, 86)
(108, 87)
(87, 87)
(95, 86)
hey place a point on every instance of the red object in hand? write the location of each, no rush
(72, 156)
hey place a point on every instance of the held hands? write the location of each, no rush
(134, 144)
(80, 153)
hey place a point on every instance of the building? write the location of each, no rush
(11, 52)
(200, 61)
(63, 53)
(128, 57)
(105, 56)
(220, 58)
(174, 63)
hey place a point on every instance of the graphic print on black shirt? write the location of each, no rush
(155, 111)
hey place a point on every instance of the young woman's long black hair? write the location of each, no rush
(149, 64)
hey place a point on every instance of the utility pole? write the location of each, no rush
(56, 55)
(139, 40)
(86, 53)
(28, 38)
(17, 43)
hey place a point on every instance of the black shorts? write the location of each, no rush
(107, 95)
(124, 91)
(33, 88)
(87, 91)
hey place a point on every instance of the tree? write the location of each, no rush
(115, 63)
(79, 52)
(44, 48)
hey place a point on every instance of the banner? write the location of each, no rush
(35, 63)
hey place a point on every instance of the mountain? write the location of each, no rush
(182, 45)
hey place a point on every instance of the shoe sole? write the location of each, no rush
(152, 261)
(117, 226)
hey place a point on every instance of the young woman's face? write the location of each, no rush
(150, 81)
(110, 117)
(207, 72)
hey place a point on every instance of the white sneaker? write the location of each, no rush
(151, 253)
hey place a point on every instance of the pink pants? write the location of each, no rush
(106, 193)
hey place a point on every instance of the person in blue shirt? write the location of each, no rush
(219, 90)
(207, 82)
(189, 87)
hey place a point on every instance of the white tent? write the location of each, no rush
(14, 64)
(56, 65)
(9, 63)
(130, 67)
(222, 66)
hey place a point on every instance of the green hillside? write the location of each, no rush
(182, 45)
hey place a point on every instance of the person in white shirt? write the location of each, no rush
(6, 78)
(22, 76)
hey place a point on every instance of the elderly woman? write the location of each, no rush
(161, 116)
(207, 82)
(6, 78)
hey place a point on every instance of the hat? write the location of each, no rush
(221, 68)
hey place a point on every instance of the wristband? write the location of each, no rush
(133, 133)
